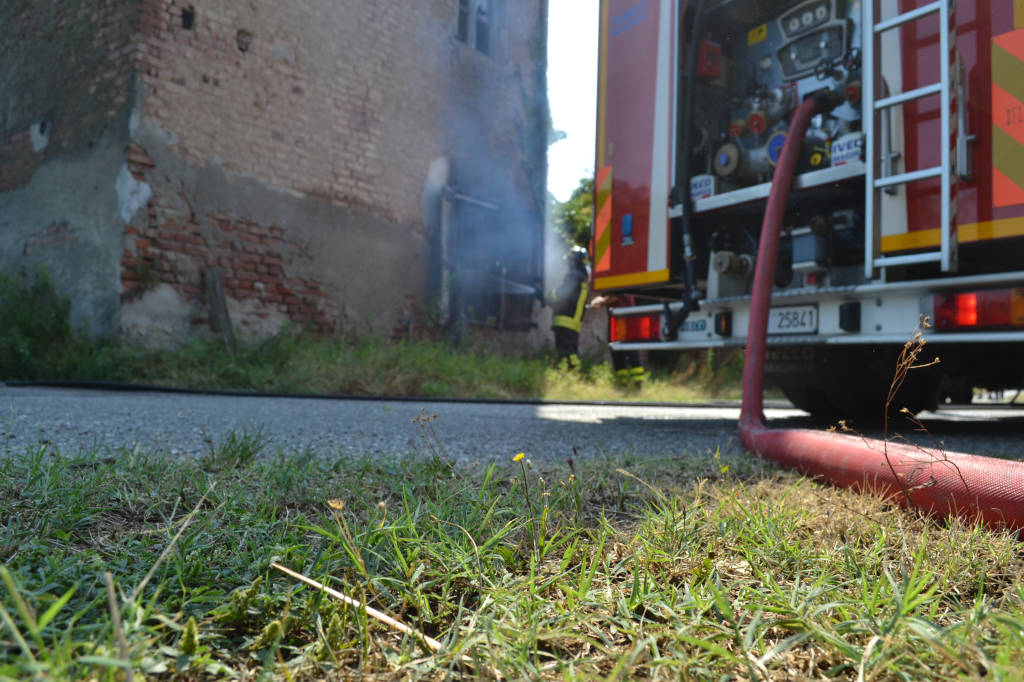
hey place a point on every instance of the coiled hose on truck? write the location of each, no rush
(940, 483)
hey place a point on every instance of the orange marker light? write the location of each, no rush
(986, 309)
(966, 310)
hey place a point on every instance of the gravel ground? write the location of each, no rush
(179, 424)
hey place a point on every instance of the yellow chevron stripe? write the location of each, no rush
(1008, 72)
(1010, 159)
(603, 219)
(1007, 128)
(601, 246)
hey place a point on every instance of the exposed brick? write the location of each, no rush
(137, 156)
(339, 102)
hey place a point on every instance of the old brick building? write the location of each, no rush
(342, 164)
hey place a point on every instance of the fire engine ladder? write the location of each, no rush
(883, 179)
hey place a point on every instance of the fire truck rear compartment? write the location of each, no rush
(832, 306)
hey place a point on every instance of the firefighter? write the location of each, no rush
(568, 301)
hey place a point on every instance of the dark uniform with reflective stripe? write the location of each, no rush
(568, 302)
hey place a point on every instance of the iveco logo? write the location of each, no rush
(847, 148)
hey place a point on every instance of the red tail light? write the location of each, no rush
(635, 328)
(977, 309)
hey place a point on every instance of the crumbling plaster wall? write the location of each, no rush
(287, 145)
(65, 89)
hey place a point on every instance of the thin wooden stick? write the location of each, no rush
(115, 616)
(382, 617)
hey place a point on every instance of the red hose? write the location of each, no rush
(941, 483)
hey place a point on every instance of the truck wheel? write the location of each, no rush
(869, 404)
(854, 383)
(837, 402)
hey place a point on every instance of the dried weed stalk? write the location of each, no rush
(910, 359)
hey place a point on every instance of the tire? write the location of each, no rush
(866, 402)
(853, 383)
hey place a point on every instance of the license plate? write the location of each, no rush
(797, 319)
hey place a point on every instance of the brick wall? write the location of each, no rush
(341, 103)
(338, 101)
(285, 144)
(171, 244)
(68, 67)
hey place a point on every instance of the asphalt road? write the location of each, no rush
(75, 420)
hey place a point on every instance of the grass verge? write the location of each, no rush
(289, 363)
(38, 343)
(296, 363)
(692, 567)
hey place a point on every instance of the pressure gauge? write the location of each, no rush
(794, 25)
(821, 13)
(807, 18)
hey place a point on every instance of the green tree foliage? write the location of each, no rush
(574, 218)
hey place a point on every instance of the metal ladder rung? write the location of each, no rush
(907, 17)
(912, 259)
(946, 252)
(912, 176)
(900, 98)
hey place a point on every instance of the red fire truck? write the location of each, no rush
(907, 201)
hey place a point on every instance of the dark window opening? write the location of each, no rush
(463, 28)
(473, 25)
(188, 17)
(482, 27)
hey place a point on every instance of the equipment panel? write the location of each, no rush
(775, 62)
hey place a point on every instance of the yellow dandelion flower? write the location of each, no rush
(519, 457)
(337, 505)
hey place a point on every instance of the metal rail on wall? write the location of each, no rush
(940, 483)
